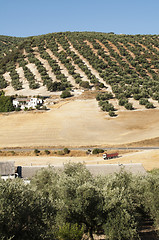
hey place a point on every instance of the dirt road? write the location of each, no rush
(149, 159)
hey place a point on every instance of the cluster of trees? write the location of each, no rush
(72, 56)
(41, 69)
(56, 70)
(144, 101)
(37, 152)
(108, 107)
(104, 96)
(64, 58)
(117, 72)
(57, 86)
(67, 203)
(6, 104)
(9, 50)
(31, 78)
(104, 104)
(133, 50)
(17, 85)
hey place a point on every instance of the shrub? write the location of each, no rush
(78, 80)
(85, 84)
(44, 108)
(143, 101)
(60, 152)
(106, 106)
(36, 151)
(112, 114)
(123, 101)
(128, 106)
(66, 150)
(137, 96)
(97, 150)
(65, 94)
(149, 105)
(47, 152)
(17, 109)
(38, 107)
(70, 232)
(12, 152)
(2, 93)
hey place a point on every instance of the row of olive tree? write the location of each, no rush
(66, 204)
(3, 82)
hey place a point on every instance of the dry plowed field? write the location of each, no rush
(77, 123)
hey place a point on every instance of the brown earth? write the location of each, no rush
(78, 123)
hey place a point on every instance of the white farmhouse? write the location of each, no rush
(27, 102)
(34, 102)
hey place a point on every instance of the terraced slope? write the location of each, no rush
(124, 67)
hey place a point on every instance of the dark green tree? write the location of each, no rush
(24, 213)
(6, 104)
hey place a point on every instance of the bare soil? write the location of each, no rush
(77, 123)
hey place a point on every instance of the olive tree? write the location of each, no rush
(24, 213)
(123, 206)
(78, 199)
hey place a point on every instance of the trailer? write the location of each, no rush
(110, 155)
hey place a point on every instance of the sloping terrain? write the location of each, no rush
(120, 71)
(76, 123)
(125, 65)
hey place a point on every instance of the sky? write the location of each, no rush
(23, 18)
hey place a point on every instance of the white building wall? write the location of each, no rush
(15, 103)
(31, 104)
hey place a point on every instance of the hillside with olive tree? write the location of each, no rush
(122, 69)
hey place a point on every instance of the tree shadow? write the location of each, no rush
(147, 231)
(152, 235)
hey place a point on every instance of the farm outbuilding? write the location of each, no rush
(105, 169)
(98, 169)
(7, 168)
(27, 102)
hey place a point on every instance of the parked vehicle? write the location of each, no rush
(109, 156)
